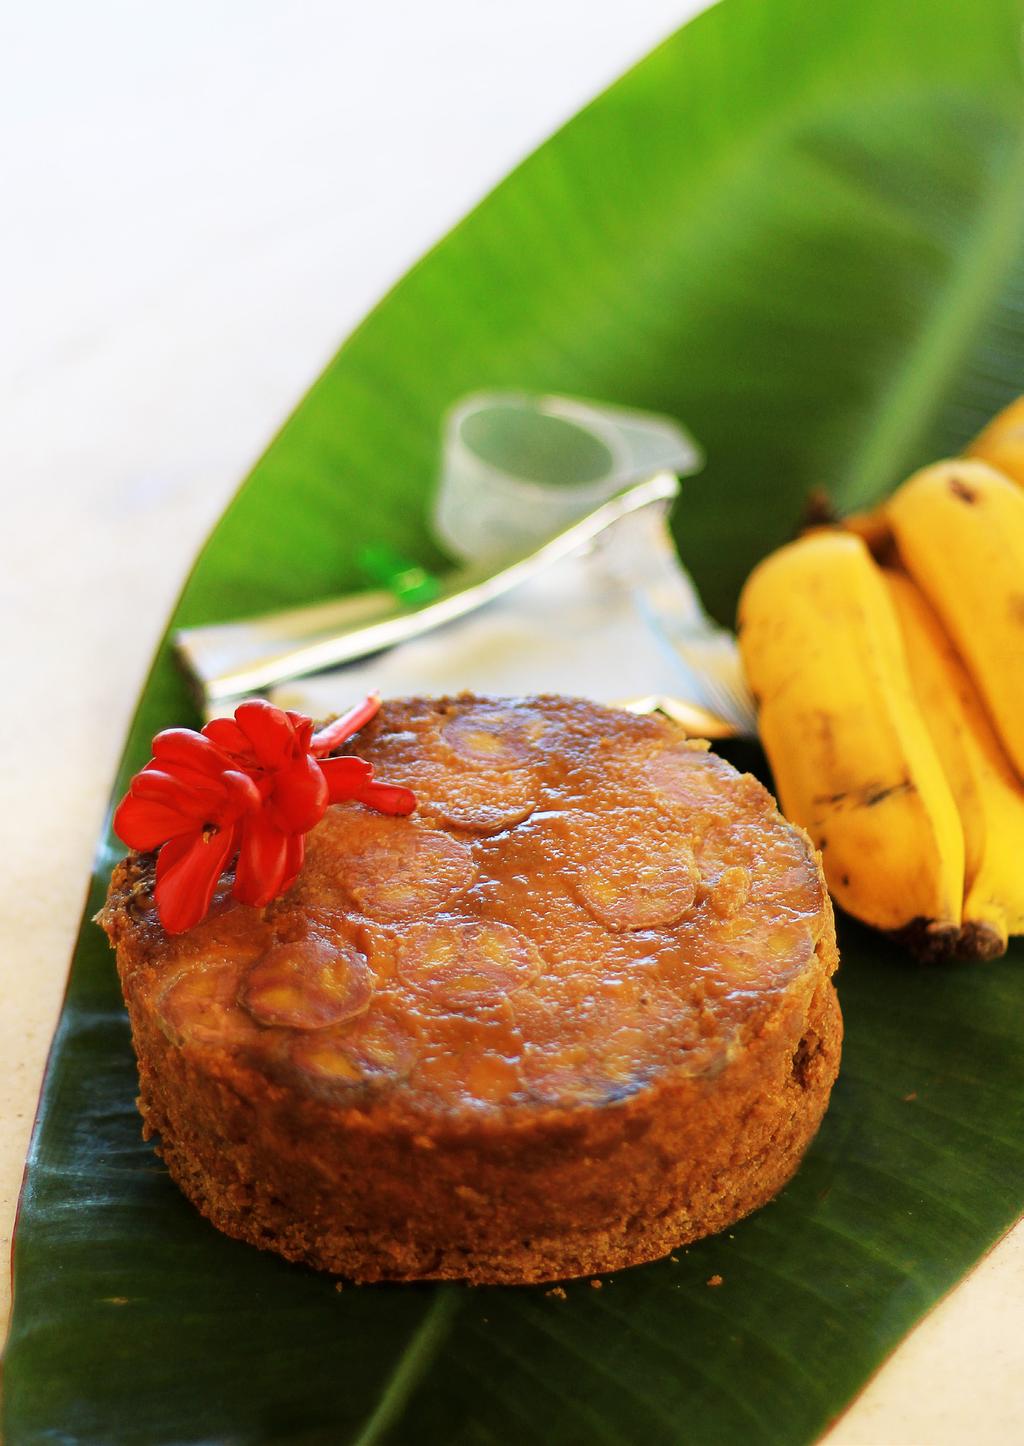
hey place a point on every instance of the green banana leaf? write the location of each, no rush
(797, 226)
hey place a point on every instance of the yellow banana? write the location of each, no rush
(959, 528)
(988, 797)
(852, 758)
(1001, 444)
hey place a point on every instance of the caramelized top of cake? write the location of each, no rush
(583, 901)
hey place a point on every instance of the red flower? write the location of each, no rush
(252, 786)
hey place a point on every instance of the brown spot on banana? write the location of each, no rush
(869, 796)
(881, 794)
(960, 489)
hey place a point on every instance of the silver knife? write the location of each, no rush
(228, 660)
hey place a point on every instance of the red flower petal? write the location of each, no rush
(263, 861)
(242, 795)
(269, 730)
(196, 802)
(352, 778)
(187, 870)
(300, 796)
(303, 729)
(189, 749)
(294, 855)
(144, 825)
(336, 733)
(190, 777)
(345, 776)
(226, 734)
(387, 798)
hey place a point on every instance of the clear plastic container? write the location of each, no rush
(518, 467)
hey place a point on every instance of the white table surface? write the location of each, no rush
(199, 201)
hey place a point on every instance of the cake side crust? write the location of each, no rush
(575, 1193)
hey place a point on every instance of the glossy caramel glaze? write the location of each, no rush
(582, 903)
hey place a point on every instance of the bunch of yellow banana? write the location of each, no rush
(887, 660)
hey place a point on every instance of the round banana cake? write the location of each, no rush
(573, 1012)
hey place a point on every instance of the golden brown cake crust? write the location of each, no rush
(576, 1012)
